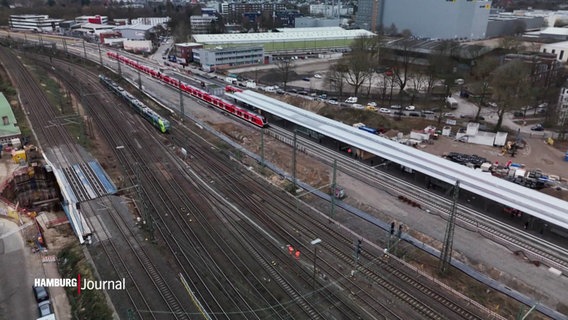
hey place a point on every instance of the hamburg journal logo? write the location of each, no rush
(81, 284)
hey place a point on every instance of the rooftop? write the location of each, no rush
(8, 125)
(188, 44)
(141, 27)
(555, 31)
(96, 26)
(285, 35)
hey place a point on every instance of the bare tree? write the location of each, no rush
(417, 80)
(511, 43)
(360, 64)
(510, 83)
(481, 74)
(399, 56)
(336, 78)
(284, 68)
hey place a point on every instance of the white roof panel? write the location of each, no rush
(307, 34)
(555, 31)
(535, 203)
(314, 29)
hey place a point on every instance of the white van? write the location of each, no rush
(452, 103)
(351, 100)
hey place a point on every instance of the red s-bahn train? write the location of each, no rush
(247, 115)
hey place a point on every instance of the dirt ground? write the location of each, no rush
(536, 154)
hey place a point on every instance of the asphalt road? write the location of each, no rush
(468, 108)
(18, 269)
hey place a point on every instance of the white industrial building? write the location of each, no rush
(560, 49)
(554, 33)
(153, 21)
(92, 19)
(35, 22)
(92, 28)
(563, 106)
(201, 24)
(227, 57)
(328, 10)
(135, 32)
(310, 36)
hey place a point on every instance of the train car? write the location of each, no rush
(232, 89)
(246, 115)
(369, 129)
(155, 119)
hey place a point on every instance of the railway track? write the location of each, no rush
(254, 199)
(116, 258)
(458, 308)
(164, 226)
(41, 112)
(537, 248)
(170, 300)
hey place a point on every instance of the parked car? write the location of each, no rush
(306, 79)
(410, 108)
(396, 107)
(398, 113)
(303, 92)
(518, 114)
(372, 104)
(449, 115)
(357, 106)
(45, 308)
(351, 100)
(332, 101)
(41, 294)
(293, 91)
(371, 108)
(537, 127)
(384, 110)
(323, 96)
(428, 112)
(414, 114)
(317, 76)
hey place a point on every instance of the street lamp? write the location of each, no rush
(314, 243)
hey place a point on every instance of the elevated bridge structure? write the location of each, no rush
(532, 202)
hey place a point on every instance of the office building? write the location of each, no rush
(35, 22)
(434, 19)
(237, 10)
(220, 57)
(201, 24)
